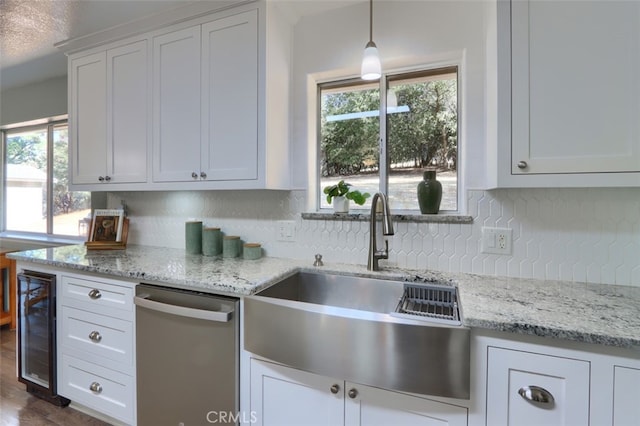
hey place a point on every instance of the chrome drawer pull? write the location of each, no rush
(95, 336)
(95, 387)
(95, 294)
(537, 395)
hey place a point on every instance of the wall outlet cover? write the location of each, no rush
(286, 230)
(496, 240)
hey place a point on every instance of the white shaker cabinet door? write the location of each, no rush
(230, 97)
(369, 406)
(128, 116)
(575, 87)
(176, 106)
(626, 396)
(87, 118)
(563, 382)
(283, 396)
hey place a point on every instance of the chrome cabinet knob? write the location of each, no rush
(194, 175)
(101, 178)
(522, 165)
(335, 388)
(352, 393)
(95, 336)
(203, 175)
(95, 387)
(537, 395)
(95, 294)
(107, 178)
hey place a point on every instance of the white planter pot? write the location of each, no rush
(340, 205)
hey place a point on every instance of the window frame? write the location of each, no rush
(383, 84)
(49, 124)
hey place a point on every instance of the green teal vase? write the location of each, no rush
(429, 193)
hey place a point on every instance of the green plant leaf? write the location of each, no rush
(343, 189)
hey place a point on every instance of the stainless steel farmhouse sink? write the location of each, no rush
(398, 335)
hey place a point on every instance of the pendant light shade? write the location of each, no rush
(371, 68)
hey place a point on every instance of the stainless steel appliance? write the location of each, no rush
(187, 357)
(37, 335)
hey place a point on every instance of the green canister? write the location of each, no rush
(252, 251)
(231, 246)
(193, 237)
(211, 241)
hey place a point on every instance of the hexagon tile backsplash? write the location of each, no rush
(585, 234)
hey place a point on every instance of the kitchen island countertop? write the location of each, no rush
(591, 313)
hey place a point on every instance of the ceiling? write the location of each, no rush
(30, 28)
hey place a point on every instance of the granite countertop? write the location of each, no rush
(600, 314)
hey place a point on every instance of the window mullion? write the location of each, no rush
(384, 152)
(50, 179)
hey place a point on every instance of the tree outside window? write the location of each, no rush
(421, 131)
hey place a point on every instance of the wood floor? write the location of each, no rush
(18, 407)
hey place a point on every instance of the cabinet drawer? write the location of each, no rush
(112, 394)
(566, 380)
(97, 296)
(103, 336)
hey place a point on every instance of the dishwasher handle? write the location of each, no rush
(219, 316)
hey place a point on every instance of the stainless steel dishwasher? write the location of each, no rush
(187, 357)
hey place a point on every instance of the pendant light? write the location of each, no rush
(371, 68)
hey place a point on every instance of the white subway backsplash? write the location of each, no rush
(585, 235)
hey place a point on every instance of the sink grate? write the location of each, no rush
(430, 301)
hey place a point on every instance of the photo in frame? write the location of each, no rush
(106, 225)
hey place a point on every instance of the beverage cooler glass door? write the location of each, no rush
(37, 335)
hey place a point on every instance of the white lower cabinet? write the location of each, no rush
(107, 391)
(96, 345)
(532, 389)
(283, 396)
(374, 406)
(626, 396)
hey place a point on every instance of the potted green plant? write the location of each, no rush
(339, 195)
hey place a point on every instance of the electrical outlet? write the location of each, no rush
(286, 230)
(496, 240)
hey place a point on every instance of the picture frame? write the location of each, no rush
(109, 230)
(106, 225)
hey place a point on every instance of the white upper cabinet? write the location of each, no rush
(230, 111)
(207, 107)
(569, 93)
(176, 106)
(108, 116)
(206, 101)
(127, 113)
(87, 124)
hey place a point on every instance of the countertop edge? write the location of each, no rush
(469, 286)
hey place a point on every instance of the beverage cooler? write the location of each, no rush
(37, 335)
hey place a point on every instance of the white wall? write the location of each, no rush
(38, 100)
(407, 33)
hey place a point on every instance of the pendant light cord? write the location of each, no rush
(370, 20)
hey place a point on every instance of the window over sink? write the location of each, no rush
(36, 196)
(385, 143)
